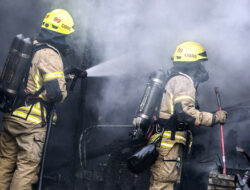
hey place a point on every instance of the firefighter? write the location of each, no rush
(24, 129)
(178, 112)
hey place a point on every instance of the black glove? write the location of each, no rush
(74, 73)
(77, 71)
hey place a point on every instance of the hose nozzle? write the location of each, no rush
(83, 74)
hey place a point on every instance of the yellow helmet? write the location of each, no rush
(189, 52)
(60, 21)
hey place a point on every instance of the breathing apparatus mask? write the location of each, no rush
(201, 74)
(195, 70)
(55, 39)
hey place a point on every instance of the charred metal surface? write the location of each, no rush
(220, 181)
(110, 173)
(235, 178)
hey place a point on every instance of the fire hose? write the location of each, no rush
(50, 112)
(221, 131)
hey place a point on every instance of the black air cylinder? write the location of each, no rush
(20, 67)
(14, 71)
(12, 57)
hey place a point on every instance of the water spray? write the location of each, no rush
(113, 67)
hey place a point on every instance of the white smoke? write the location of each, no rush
(150, 31)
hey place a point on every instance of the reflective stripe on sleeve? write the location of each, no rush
(183, 97)
(37, 81)
(54, 75)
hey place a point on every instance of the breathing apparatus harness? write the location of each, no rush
(14, 77)
(32, 99)
(148, 109)
(172, 123)
(150, 126)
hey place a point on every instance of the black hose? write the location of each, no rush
(45, 147)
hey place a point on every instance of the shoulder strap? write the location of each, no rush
(39, 46)
(179, 74)
(36, 47)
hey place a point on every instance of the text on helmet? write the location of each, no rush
(65, 27)
(179, 50)
(56, 19)
(190, 55)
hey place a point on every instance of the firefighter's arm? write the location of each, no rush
(51, 68)
(184, 104)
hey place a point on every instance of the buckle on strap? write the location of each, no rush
(173, 135)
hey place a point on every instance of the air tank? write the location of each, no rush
(15, 68)
(151, 97)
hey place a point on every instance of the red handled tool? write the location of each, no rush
(221, 132)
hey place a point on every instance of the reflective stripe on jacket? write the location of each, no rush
(166, 142)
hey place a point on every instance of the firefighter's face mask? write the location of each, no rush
(69, 44)
(202, 74)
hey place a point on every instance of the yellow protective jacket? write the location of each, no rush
(180, 94)
(47, 67)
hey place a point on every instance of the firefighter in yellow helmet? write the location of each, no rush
(23, 130)
(178, 112)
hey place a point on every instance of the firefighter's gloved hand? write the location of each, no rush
(77, 71)
(220, 117)
(137, 121)
(136, 134)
